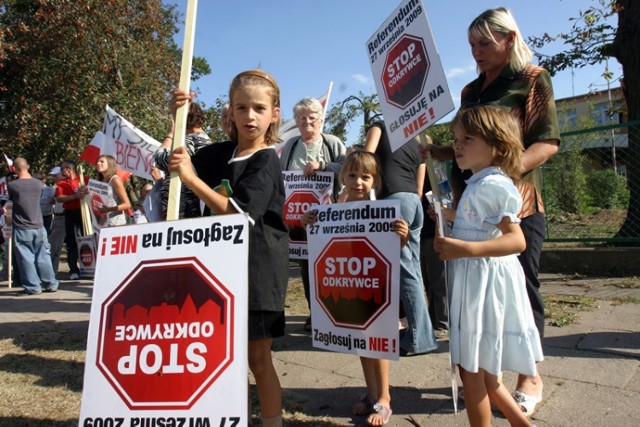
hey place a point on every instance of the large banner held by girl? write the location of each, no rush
(167, 340)
(301, 193)
(354, 260)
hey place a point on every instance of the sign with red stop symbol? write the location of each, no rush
(168, 327)
(408, 74)
(354, 255)
(302, 193)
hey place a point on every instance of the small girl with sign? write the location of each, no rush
(361, 177)
(492, 327)
(244, 175)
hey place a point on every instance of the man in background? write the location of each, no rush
(29, 235)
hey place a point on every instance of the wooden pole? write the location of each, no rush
(431, 171)
(10, 260)
(173, 204)
(87, 227)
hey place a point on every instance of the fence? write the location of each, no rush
(591, 187)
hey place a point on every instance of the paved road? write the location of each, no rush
(591, 372)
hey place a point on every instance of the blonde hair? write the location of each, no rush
(501, 21)
(360, 160)
(257, 78)
(500, 130)
(112, 168)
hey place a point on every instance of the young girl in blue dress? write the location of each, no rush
(492, 326)
(248, 169)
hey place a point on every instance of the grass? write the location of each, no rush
(563, 310)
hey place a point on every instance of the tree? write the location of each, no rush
(346, 111)
(590, 41)
(62, 61)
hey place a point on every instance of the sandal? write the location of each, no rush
(380, 410)
(364, 406)
(527, 402)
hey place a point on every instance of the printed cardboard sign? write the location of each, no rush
(168, 330)
(354, 260)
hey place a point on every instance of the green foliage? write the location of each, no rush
(340, 115)
(589, 41)
(607, 190)
(565, 182)
(441, 134)
(62, 61)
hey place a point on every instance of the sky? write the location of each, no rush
(306, 44)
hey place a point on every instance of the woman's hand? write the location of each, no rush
(438, 152)
(309, 217)
(311, 168)
(180, 162)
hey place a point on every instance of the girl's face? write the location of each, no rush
(101, 165)
(491, 57)
(253, 112)
(358, 184)
(471, 152)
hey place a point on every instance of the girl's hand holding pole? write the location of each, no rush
(180, 162)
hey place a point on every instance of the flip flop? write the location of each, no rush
(379, 409)
(527, 402)
(364, 405)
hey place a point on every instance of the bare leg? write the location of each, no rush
(500, 396)
(267, 383)
(530, 385)
(380, 370)
(476, 399)
(368, 369)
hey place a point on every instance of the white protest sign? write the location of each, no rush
(97, 197)
(168, 329)
(354, 269)
(87, 255)
(301, 193)
(132, 148)
(411, 83)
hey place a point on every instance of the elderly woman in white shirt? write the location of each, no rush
(311, 152)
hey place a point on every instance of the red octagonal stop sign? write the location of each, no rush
(166, 334)
(353, 281)
(294, 207)
(405, 71)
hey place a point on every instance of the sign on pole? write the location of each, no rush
(354, 259)
(168, 329)
(301, 193)
(406, 67)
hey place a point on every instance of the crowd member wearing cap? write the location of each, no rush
(57, 231)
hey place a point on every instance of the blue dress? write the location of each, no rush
(492, 324)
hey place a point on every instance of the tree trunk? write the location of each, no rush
(627, 49)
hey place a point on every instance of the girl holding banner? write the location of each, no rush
(118, 202)
(244, 176)
(360, 177)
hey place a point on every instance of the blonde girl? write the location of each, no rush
(492, 326)
(361, 178)
(248, 169)
(118, 202)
